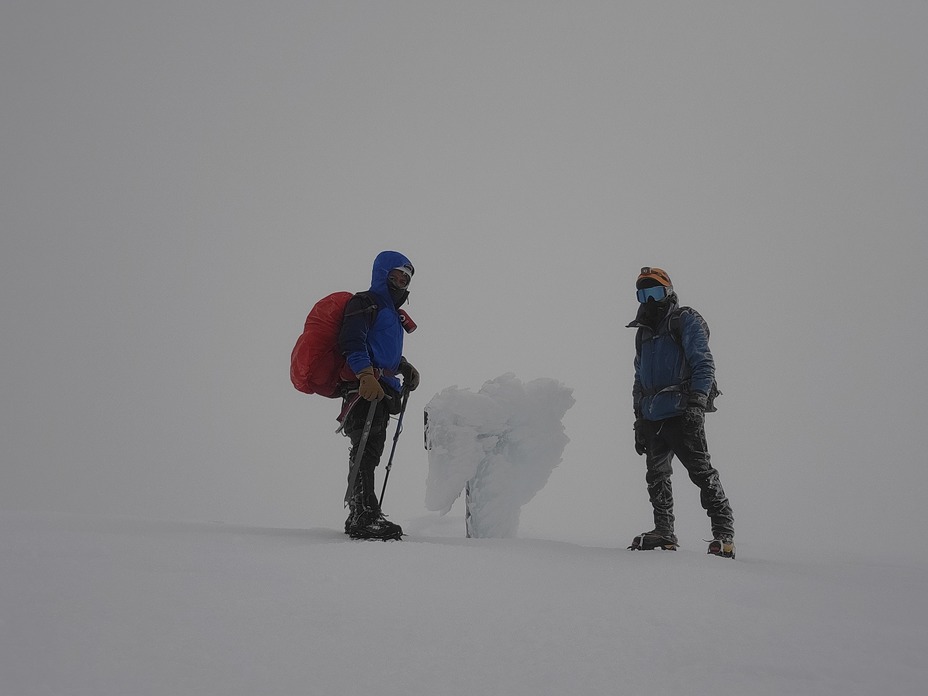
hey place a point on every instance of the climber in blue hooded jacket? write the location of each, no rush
(371, 339)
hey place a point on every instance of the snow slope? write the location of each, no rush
(103, 606)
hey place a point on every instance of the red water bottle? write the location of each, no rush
(408, 324)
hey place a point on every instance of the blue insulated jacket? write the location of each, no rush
(379, 344)
(667, 372)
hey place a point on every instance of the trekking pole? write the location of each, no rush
(396, 437)
(356, 464)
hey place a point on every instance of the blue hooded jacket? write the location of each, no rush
(378, 344)
(667, 373)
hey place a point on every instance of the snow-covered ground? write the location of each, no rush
(107, 606)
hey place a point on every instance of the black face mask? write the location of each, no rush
(652, 312)
(398, 295)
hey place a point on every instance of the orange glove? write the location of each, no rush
(370, 388)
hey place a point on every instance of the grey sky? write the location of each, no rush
(181, 181)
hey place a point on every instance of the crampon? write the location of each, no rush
(725, 548)
(647, 541)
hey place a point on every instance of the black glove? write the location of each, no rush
(410, 375)
(641, 440)
(695, 414)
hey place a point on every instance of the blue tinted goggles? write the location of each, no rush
(657, 293)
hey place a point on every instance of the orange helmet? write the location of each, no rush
(653, 273)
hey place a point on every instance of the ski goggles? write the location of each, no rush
(657, 293)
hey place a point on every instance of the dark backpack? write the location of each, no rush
(316, 365)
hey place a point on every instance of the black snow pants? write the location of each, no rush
(364, 495)
(687, 440)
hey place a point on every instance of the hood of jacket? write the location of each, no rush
(385, 262)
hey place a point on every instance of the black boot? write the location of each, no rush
(655, 539)
(355, 508)
(366, 521)
(371, 524)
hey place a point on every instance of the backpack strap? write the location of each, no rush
(675, 326)
(369, 308)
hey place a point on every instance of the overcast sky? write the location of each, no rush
(180, 181)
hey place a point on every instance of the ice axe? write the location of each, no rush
(396, 437)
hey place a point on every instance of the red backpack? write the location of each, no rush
(316, 366)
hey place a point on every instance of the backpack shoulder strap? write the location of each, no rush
(675, 323)
(675, 326)
(365, 304)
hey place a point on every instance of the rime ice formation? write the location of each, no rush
(500, 445)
